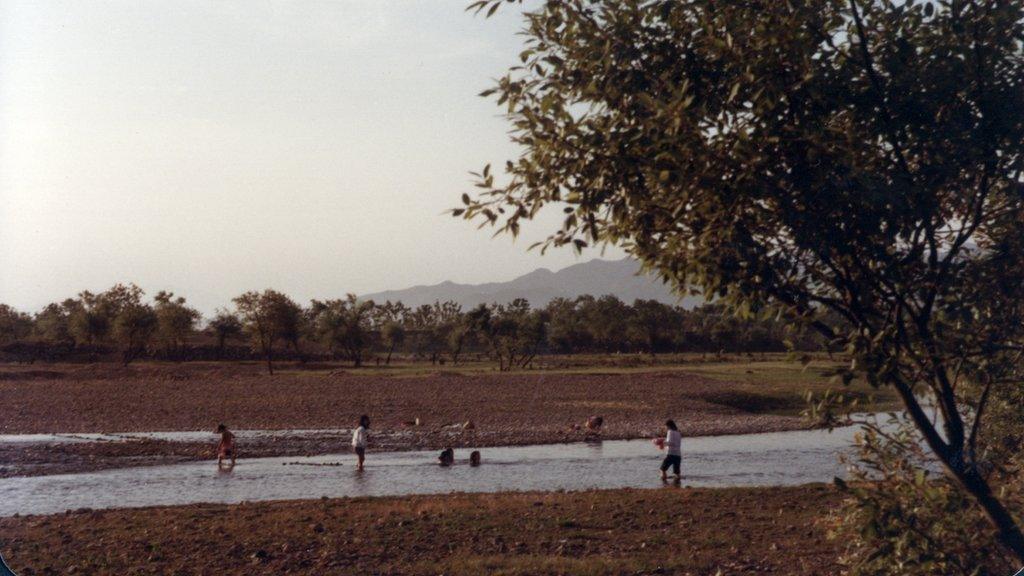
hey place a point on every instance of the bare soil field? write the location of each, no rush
(780, 531)
(505, 409)
(185, 397)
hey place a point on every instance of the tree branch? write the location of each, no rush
(973, 439)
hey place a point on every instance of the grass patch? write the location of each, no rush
(778, 386)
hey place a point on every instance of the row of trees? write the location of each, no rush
(513, 333)
(118, 315)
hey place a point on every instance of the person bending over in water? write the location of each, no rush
(447, 457)
(226, 448)
(360, 439)
(673, 449)
(474, 458)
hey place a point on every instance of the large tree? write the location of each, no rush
(52, 324)
(390, 318)
(117, 315)
(133, 327)
(345, 325)
(856, 157)
(224, 325)
(651, 324)
(512, 331)
(607, 322)
(268, 316)
(392, 335)
(176, 321)
(567, 331)
(14, 325)
(92, 317)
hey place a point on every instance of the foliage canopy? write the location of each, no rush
(860, 157)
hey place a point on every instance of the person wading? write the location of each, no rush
(673, 450)
(360, 438)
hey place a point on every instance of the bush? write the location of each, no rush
(900, 518)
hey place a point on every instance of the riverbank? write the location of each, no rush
(503, 409)
(533, 407)
(780, 531)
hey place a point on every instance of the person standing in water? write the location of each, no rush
(226, 447)
(360, 439)
(673, 450)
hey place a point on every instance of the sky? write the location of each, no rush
(214, 147)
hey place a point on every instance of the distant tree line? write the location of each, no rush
(120, 324)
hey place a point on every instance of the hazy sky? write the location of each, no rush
(212, 147)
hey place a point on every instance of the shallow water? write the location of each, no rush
(770, 459)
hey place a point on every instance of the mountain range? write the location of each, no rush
(597, 277)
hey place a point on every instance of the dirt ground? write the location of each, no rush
(679, 531)
(525, 408)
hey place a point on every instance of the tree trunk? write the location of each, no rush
(965, 474)
(390, 350)
(455, 354)
(1009, 532)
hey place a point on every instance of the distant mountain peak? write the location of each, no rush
(541, 272)
(596, 277)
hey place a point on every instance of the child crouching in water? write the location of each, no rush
(360, 439)
(673, 449)
(226, 448)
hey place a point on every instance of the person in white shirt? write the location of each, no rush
(360, 438)
(673, 450)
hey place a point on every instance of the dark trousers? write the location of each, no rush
(674, 461)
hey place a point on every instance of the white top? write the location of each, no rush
(359, 438)
(673, 443)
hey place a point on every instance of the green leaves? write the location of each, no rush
(268, 317)
(734, 91)
(489, 7)
(854, 163)
(899, 519)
